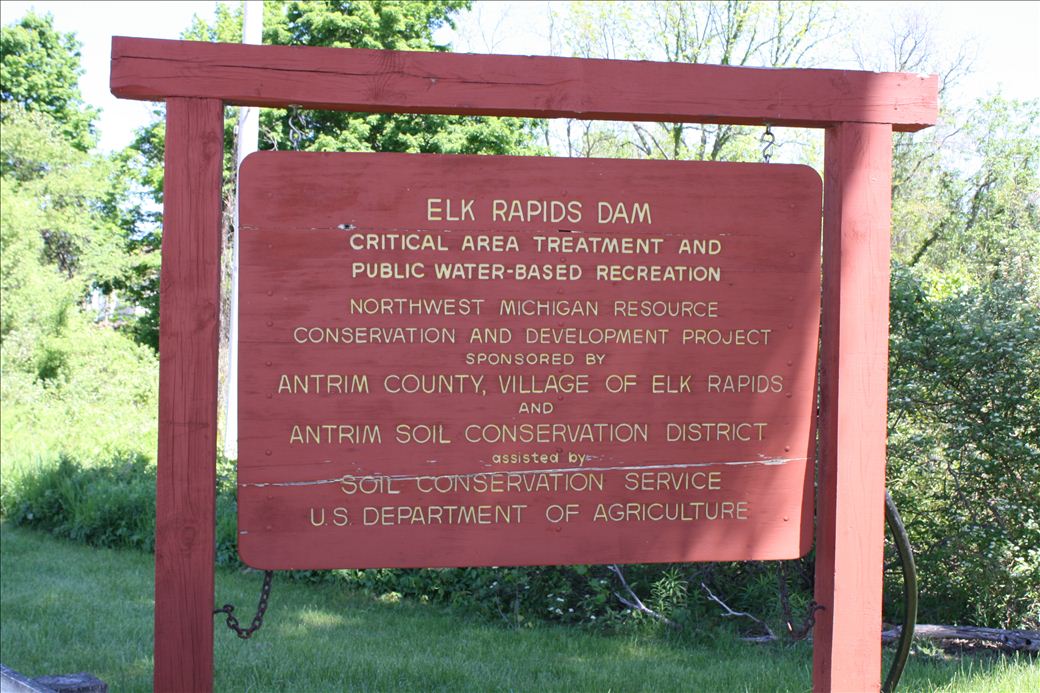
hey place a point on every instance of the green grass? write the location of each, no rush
(65, 607)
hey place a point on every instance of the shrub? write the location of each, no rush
(111, 504)
(108, 503)
(964, 446)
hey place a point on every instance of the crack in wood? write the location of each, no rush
(769, 462)
(177, 63)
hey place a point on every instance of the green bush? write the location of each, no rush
(72, 384)
(90, 393)
(964, 446)
(109, 503)
(590, 596)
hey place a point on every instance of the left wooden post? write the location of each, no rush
(189, 327)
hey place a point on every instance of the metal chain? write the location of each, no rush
(261, 608)
(295, 135)
(785, 602)
(785, 599)
(295, 130)
(768, 140)
(810, 621)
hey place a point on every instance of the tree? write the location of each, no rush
(966, 282)
(70, 382)
(39, 72)
(964, 444)
(68, 211)
(53, 226)
(963, 192)
(964, 393)
(735, 32)
(377, 24)
(380, 24)
(964, 398)
(988, 225)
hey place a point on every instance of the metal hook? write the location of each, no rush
(768, 139)
(295, 133)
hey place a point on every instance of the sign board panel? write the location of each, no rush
(465, 360)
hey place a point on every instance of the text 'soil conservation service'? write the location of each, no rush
(463, 360)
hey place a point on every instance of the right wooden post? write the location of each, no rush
(853, 407)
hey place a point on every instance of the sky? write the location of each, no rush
(1005, 37)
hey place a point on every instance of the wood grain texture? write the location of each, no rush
(188, 332)
(504, 85)
(854, 372)
(307, 222)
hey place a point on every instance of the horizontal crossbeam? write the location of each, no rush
(347, 79)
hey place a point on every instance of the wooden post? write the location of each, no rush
(189, 305)
(851, 486)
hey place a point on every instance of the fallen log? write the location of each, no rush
(1023, 640)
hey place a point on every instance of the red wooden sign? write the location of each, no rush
(458, 361)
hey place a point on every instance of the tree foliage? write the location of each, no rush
(964, 398)
(977, 215)
(964, 444)
(69, 381)
(372, 24)
(966, 241)
(965, 353)
(39, 71)
(380, 24)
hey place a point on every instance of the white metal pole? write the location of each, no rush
(245, 144)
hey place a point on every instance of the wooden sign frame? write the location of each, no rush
(858, 110)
